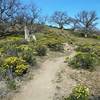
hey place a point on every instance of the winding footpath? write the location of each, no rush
(42, 87)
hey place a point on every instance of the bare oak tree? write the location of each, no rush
(43, 20)
(73, 23)
(60, 18)
(87, 21)
(35, 11)
(8, 9)
(22, 16)
(3, 9)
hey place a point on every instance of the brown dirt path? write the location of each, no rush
(42, 87)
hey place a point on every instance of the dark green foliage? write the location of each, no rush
(21, 41)
(78, 34)
(84, 48)
(48, 38)
(28, 57)
(97, 50)
(11, 84)
(11, 50)
(26, 52)
(41, 50)
(55, 46)
(83, 60)
(91, 48)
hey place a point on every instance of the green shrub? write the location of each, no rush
(48, 38)
(2, 73)
(12, 47)
(11, 50)
(24, 48)
(83, 60)
(20, 69)
(80, 92)
(1, 50)
(27, 53)
(41, 50)
(84, 48)
(11, 84)
(91, 48)
(97, 50)
(28, 57)
(16, 65)
(55, 46)
(21, 41)
(16, 40)
(98, 37)
(95, 36)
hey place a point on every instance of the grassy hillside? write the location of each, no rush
(18, 57)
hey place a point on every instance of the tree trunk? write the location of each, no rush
(34, 38)
(27, 37)
(86, 35)
(61, 26)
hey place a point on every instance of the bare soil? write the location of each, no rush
(44, 84)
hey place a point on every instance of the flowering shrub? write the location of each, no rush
(20, 69)
(80, 92)
(16, 65)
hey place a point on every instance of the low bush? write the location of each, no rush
(28, 57)
(95, 36)
(21, 69)
(14, 66)
(22, 48)
(27, 53)
(91, 48)
(11, 50)
(84, 48)
(97, 50)
(21, 41)
(41, 50)
(55, 46)
(80, 92)
(48, 38)
(11, 84)
(83, 60)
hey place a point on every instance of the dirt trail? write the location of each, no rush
(42, 87)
